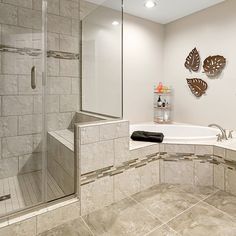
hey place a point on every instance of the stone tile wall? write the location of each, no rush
(105, 163)
(20, 106)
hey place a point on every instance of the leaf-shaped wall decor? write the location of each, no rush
(193, 61)
(213, 65)
(197, 86)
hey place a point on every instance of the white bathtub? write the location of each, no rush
(179, 132)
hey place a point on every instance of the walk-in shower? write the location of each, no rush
(43, 45)
(39, 86)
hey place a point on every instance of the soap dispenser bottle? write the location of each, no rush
(159, 101)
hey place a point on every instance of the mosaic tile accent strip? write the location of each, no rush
(111, 170)
(191, 157)
(21, 51)
(37, 52)
(63, 55)
(137, 163)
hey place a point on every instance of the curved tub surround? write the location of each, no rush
(178, 132)
(108, 160)
(208, 140)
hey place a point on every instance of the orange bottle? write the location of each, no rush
(160, 87)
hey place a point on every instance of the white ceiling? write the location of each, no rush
(165, 11)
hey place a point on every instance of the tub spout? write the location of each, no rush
(223, 132)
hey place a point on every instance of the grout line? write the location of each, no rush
(87, 226)
(139, 203)
(160, 226)
(192, 206)
(177, 233)
(166, 223)
(225, 213)
(198, 198)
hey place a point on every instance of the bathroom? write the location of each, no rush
(77, 78)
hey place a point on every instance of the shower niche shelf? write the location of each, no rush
(162, 107)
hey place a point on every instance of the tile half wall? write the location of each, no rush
(109, 171)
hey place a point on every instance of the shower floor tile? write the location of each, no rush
(25, 190)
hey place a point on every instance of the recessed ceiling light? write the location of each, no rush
(150, 4)
(115, 23)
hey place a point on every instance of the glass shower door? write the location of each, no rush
(22, 129)
(101, 66)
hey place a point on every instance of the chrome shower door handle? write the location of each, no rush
(33, 77)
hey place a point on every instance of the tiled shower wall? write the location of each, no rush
(20, 106)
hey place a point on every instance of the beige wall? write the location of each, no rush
(154, 52)
(212, 31)
(143, 44)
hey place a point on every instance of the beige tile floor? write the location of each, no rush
(163, 210)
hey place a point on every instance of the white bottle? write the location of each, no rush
(166, 116)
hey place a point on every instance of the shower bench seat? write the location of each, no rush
(65, 137)
(61, 161)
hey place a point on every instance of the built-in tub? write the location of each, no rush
(178, 132)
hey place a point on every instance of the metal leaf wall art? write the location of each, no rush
(192, 62)
(213, 65)
(197, 86)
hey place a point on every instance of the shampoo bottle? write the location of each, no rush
(159, 102)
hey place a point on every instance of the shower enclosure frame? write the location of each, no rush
(44, 131)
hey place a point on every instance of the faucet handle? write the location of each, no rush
(230, 134)
(219, 137)
(225, 135)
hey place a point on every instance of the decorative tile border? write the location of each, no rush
(63, 55)
(37, 52)
(21, 51)
(137, 163)
(112, 171)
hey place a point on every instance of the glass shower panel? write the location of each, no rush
(102, 57)
(21, 91)
(62, 96)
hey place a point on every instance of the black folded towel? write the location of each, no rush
(147, 136)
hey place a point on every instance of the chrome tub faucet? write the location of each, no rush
(223, 135)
